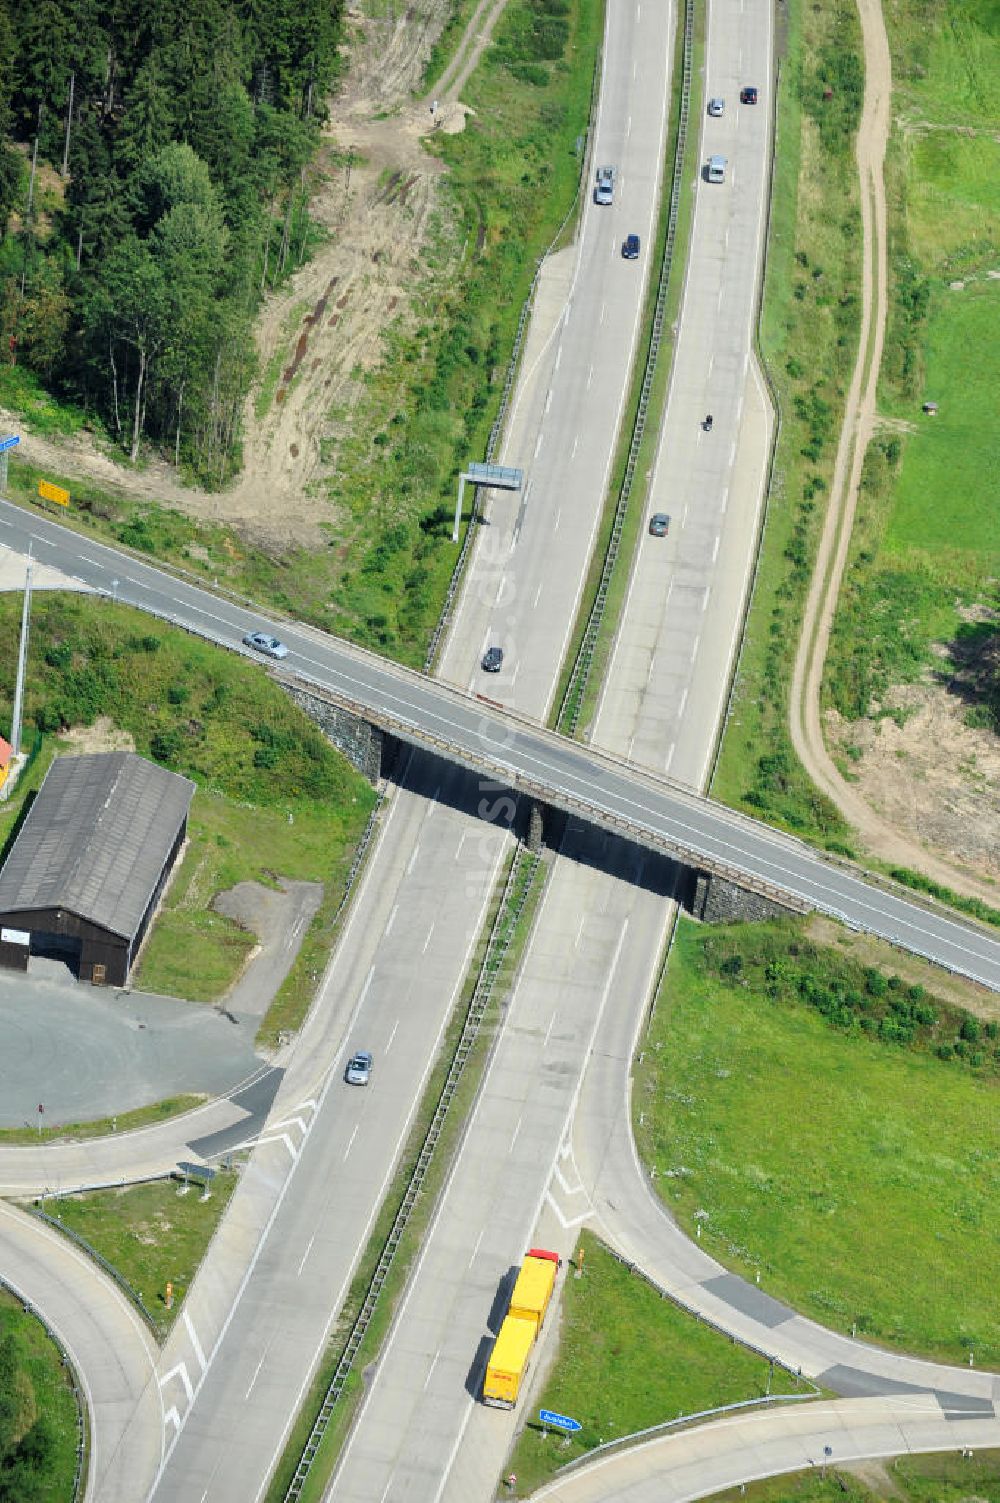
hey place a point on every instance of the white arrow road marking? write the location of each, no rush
(174, 1419)
(573, 1221)
(180, 1371)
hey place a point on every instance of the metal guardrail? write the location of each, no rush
(132, 1295)
(30, 1308)
(515, 893)
(572, 704)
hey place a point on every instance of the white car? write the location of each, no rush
(269, 646)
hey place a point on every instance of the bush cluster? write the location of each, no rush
(776, 961)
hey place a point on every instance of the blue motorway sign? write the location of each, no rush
(8, 443)
(559, 1421)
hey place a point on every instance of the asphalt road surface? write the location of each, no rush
(527, 756)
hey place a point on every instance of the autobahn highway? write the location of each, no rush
(513, 750)
(256, 1318)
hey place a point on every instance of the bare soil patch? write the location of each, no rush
(932, 777)
(102, 736)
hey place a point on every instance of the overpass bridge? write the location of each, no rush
(509, 751)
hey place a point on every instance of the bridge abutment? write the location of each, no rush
(368, 748)
(714, 900)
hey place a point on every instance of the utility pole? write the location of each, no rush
(69, 124)
(22, 659)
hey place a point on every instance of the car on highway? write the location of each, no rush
(748, 94)
(716, 107)
(359, 1068)
(492, 660)
(271, 647)
(604, 185)
(716, 170)
(630, 248)
(659, 524)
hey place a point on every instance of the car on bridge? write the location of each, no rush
(271, 647)
(492, 660)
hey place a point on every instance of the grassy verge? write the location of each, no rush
(274, 798)
(610, 1322)
(635, 515)
(808, 338)
(42, 1393)
(336, 1433)
(840, 1130)
(945, 1478)
(151, 1234)
(143, 1116)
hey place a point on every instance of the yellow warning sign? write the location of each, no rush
(50, 492)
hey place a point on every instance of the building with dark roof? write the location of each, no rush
(86, 871)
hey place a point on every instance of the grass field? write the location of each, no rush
(926, 547)
(150, 1234)
(628, 1359)
(944, 1478)
(41, 1359)
(859, 1177)
(808, 339)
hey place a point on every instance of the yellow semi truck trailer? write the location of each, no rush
(512, 1349)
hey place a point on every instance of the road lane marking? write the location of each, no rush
(708, 587)
(715, 554)
(514, 1138)
(670, 753)
(392, 1036)
(538, 595)
(428, 939)
(413, 860)
(576, 440)
(476, 1248)
(694, 649)
(680, 707)
(351, 1143)
(302, 1265)
(548, 400)
(433, 1365)
(538, 444)
(548, 1031)
(590, 373)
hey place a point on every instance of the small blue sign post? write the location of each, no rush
(6, 444)
(549, 1417)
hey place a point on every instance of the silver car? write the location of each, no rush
(716, 107)
(269, 646)
(359, 1068)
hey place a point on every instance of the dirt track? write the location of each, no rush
(880, 837)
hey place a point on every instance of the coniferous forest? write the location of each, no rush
(152, 160)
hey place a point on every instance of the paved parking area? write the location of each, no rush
(84, 1052)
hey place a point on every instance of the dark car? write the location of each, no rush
(269, 646)
(748, 94)
(493, 660)
(659, 524)
(359, 1068)
(630, 247)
